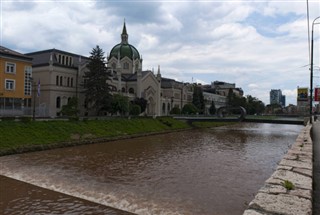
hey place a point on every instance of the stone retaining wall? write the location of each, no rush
(295, 168)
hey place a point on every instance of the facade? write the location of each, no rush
(15, 83)
(223, 88)
(60, 75)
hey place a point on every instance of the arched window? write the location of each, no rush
(62, 59)
(126, 65)
(67, 60)
(57, 80)
(68, 81)
(114, 65)
(58, 102)
(131, 90)
(163, 108)
(60, 80)
(168, 109)
(123, 90)
(71, 82)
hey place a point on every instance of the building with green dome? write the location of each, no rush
(62, 76)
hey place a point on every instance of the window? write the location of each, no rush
(10, 84)
(27, 80)
(60, 80)
(68, 81)
(114, 65)
(131, 90)
(10, 67)
(71, 82)
(126, 65)
(57, 79)
(58, 102)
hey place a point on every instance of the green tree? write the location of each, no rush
(120, 104)
(70, 109)
(175, 110)
(97, 92)
(198, 99)
(212, 109)
(254, 105)
(189, 109)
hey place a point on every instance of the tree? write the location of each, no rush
(97, 90)
(198, 99)
(212, 109)
(175, 110)
(120, 104)
(189, 109)
(70, 109)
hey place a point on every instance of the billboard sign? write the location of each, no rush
(317, 94)
(302, 94)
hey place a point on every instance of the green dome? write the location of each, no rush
(125, 50)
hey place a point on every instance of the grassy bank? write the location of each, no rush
(18, 137)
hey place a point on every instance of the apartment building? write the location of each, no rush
(15, 83)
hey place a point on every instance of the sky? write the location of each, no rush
(257, 44)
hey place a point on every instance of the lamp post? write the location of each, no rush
(311, 67)
(33, 88)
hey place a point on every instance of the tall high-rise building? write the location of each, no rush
(276, 97)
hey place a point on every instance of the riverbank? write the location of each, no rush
(289, 189)
(19, 137)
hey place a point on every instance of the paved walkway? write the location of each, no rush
(316, 166)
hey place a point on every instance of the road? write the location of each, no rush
(316, 166)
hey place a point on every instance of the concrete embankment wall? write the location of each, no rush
(295, 167)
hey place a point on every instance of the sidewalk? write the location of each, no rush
(316, 166)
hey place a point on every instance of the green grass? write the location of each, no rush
(288, 185)
(36, 135)
(14, 135)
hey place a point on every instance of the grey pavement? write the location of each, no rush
(316, 166)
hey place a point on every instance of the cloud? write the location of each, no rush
(259, 45)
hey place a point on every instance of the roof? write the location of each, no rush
(41, 58)
(5, 52)
(169, 83)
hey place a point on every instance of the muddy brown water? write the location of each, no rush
(210, 171)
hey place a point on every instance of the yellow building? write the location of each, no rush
(15, 83)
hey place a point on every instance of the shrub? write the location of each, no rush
(8, 118)
(135, 110)
(26, 119)
(175, 110)
(189, 109)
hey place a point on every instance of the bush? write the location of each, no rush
(135, 110)
(175, 110)
(189, 109)
(25, 119)
(8, 118)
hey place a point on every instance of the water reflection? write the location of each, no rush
(212, 171)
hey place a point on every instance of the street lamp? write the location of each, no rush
(311, 66)
(33, 88)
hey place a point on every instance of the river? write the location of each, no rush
(201, 171)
